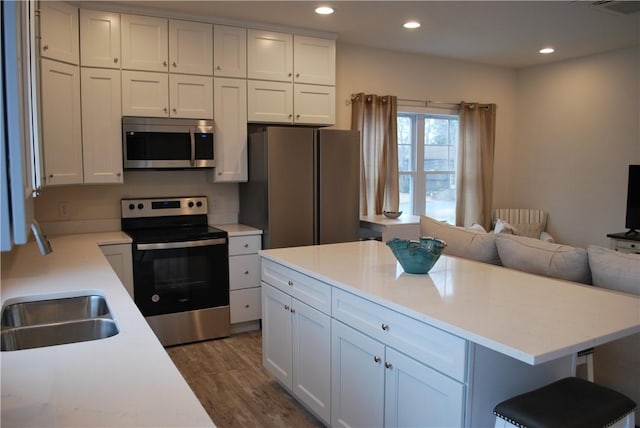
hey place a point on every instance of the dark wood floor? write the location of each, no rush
(228, 378)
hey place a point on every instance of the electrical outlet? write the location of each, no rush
(63, 209)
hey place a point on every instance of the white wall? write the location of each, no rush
(578, 129)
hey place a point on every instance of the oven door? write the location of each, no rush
(180, 276)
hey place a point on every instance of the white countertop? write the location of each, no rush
(122, 381)
(238, 229)
(381, 220)
(528, 317)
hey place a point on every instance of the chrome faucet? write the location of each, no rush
(41, 239)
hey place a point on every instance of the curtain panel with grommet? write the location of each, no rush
(476, 146)
(376, 119)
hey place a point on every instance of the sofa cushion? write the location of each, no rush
(614, 270)
(504, 227)
(544, 258)
(462, 242)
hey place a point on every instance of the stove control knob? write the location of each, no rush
(132, 207)
(190, 204)
(199, 204)
(140, 206)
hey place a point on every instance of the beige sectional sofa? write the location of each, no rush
(616, 364)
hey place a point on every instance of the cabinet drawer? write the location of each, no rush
(244, 271)
(429, 345)
(315, 293)
(245, 244)
(245, 305)
(628, 246)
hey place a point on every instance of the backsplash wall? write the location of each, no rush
(97, 207)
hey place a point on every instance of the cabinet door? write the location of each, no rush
(145, 94)
(119, 257)
(61, 128)
(357, 378)
(312, 359)
(314, 60)
(190, 47)
(101, 125)
(418, 396)
(144, 43)
(229, 51)
(277, 334)
(99, 39)
(59, 32)
(244, 271)
(244, 305)
(269, 55)
(314, 104)
(230, 118)
(191, 96)
(270, 102)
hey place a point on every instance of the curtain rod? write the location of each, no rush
(431, 103)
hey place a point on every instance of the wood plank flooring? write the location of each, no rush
(228, 378)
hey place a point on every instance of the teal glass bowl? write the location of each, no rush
(417, 256)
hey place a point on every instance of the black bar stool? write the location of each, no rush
(569, 402)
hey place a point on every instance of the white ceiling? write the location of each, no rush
(503, 33)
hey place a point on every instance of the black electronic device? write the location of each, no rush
(633, 201)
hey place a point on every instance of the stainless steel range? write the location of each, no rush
(180, 268)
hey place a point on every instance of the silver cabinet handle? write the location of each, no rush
(286, 307)
(297, 74)
(388, 365)
(246, 272)
(218, 67)
(246, 306)
(297, 116)
(385, 327)
(377, 359)
(246, 245)
(293, 311)
(290, 283)
(45, 47)
(290, 74)
(115, 60)
(174, 110)
(174, 64)
(118, 174)
(164, 63)
(165, 109)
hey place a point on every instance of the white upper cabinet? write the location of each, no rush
(229, 51)
(314, 60)
(230, 118)
(145, 94)
(99, 39)
(61, 128)
(191, 96)
(190, 47)
(59, 32)
(101, 125)
(269, 55)
(270, 102)
(144, 43)
(314, 104)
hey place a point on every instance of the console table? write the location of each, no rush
(625, 243)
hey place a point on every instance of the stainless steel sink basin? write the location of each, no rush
(14, 339)
(53, 310)
(59, 321)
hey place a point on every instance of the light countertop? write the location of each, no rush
(238, 229)
(386, 221)
(125, 380)
(528, 317)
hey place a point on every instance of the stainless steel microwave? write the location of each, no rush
(152, 142)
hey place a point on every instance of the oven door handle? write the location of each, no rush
(185, 244)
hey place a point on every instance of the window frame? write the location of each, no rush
(418, 176)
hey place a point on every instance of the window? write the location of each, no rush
(427, 157)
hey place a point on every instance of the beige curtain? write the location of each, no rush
(376, 119)
(474, 190)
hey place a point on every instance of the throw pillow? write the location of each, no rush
(532, 230)
(462, 242)
(504, 227)
(615, 270)
(544, 258)
(477, 227)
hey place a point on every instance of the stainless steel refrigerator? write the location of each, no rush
(303, 186)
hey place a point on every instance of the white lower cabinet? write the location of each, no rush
(244, 277)
(296, 341)
(120, 259)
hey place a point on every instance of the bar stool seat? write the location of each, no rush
(569, 402)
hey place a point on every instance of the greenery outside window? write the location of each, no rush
(427, 164)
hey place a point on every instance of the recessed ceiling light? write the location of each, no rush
(324, 10)
(411, 24)
(547, 50)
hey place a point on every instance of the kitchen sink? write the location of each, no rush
(53, 310)
(59, 321)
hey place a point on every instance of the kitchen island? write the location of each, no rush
(444, 348)
(126, 380)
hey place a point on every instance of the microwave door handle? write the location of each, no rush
(193, 147)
